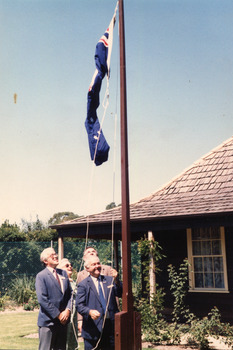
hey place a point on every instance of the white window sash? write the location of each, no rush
(191, 271)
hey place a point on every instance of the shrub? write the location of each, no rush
(31, 304)
(200, 329)
(151, 321)
(179, 288)
(6, 303)
(21, 289)
(150, 307)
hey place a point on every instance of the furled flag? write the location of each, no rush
(98, 145)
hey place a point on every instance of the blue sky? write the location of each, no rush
(179, 63)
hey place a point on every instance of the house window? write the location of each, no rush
(207, 257)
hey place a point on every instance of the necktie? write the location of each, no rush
(101, 295)
(57, 278)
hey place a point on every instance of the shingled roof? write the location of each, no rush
(206, 187)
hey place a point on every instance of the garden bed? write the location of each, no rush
(215, 344)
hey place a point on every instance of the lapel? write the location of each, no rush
(55, 282)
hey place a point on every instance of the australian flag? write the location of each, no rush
(98, 145)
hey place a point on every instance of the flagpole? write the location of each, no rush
(127, 300)
(127, 331)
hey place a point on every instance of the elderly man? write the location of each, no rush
(96, 302)
(106, 270)
(54, 296)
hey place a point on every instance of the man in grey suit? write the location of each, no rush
(96, 302)
(54, 296)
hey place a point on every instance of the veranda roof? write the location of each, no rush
(206, 187)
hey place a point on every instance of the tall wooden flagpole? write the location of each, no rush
(127, 322)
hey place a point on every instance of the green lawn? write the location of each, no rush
(15, 326)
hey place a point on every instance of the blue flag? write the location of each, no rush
(98, 145)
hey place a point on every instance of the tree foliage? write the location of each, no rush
(150, 249)
(11, 233)
(61, 216)
(38, 231)
(110, 206)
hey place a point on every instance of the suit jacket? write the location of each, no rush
(105, 270)
(50, 297)
(88, 299)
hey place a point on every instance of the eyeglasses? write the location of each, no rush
(67, 265)
(53, 255)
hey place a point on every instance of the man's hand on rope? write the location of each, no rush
(114, 274)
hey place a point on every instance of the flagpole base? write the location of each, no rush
(128, 331)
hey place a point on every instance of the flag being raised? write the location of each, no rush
(98, 145)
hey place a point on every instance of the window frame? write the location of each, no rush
(191, 271)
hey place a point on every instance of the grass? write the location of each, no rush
(15, 326)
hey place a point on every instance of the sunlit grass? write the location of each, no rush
(15, 326)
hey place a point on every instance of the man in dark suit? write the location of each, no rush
(106, 270)
(54, 296)
(96, 302)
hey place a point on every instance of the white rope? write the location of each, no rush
(105, 315)
(114, 186)
(72, 317)
(113, 218)
(114, 161)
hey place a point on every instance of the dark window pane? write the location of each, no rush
(219, 280)
(215, 232)
(198, 265)
(197, 248)
(196, 235)
(209, 281)
(216, 247)
(218, 264)
(206, 248)
(208, 266)
(199, 280)
(205, 233)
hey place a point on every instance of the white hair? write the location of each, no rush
(89, 260)
(62, 263)
(46, 254)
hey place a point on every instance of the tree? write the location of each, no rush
(38, 231)
(111, 206)
(59, 217)
(11, 233)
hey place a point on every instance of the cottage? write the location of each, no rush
(191, 216)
